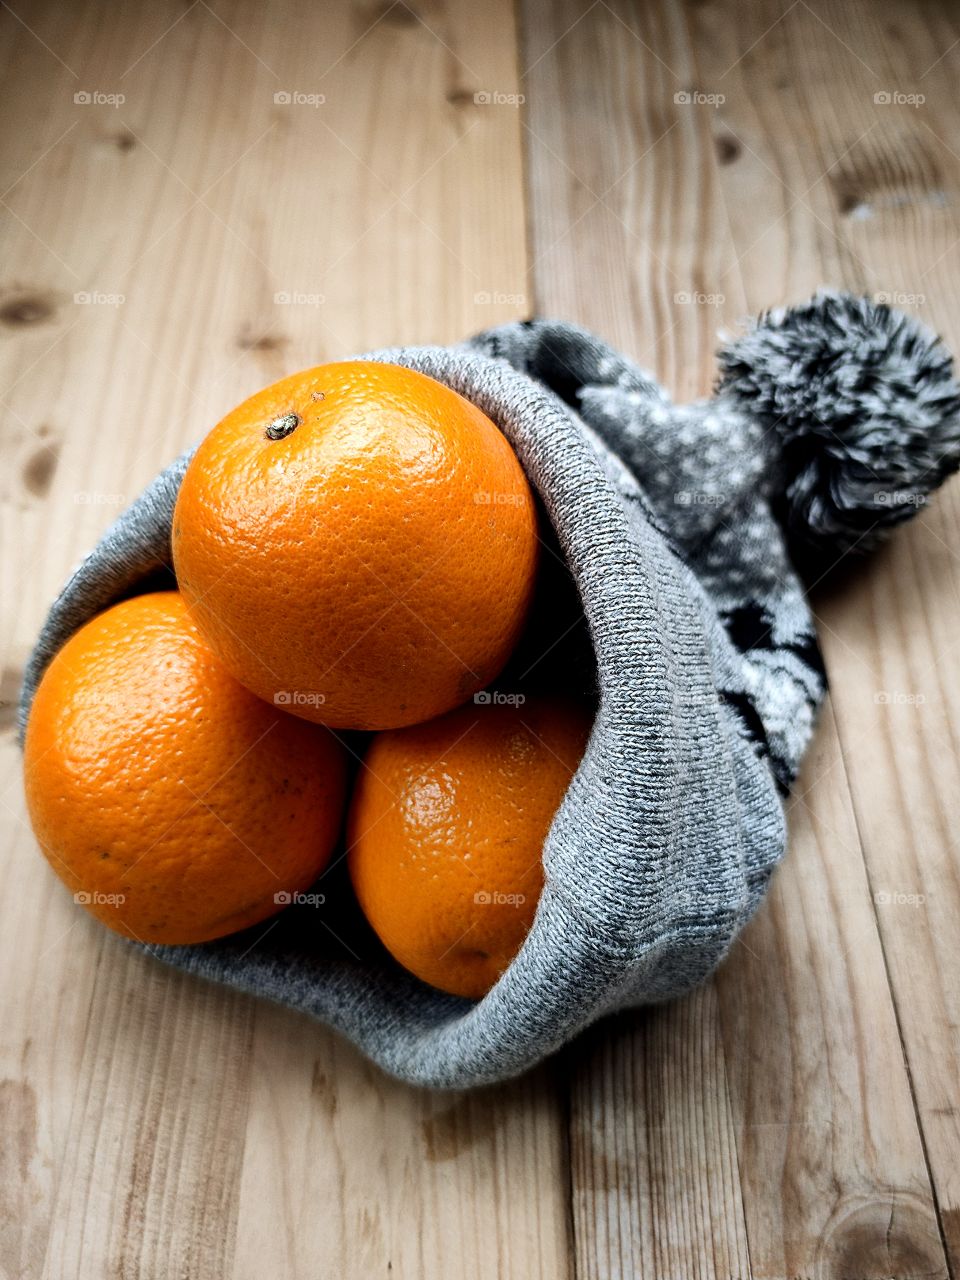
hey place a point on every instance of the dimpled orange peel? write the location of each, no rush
(175, 805)
(446, 831)
(358, 543)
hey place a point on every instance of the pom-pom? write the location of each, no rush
(867, 412)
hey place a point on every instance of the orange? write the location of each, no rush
(446, 831)
(357, 543)
(176, 805)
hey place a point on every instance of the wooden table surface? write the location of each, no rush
(200, 197)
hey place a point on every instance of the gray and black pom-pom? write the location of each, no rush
(865, 405)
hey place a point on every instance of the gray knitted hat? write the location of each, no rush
(679, 533)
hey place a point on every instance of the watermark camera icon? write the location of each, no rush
(497, 698)
(86, 298)
(296, 98)
(484, 898)
(687, 97)
(84, 98)
(96, 498)
(895, 898)
(897, 98)
(495, 98)
(899, 698)
(685, 297)
(296, 298)
(486, 298)
(298, 698)
(898, 298)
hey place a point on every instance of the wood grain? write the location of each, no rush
(882, 213)
(801, 1060)
(156, 1126)
(656, 1189)
(653, 1150)
(477, 1178)
(283, 185)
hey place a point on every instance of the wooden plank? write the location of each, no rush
(830, 1158)
(876, 178)
(626, 224)
(653, 1150)
(798, 1059)
(161, 1126)
(374, 1178)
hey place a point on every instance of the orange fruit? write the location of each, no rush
(446, 830)
(358, 543)
(175, 804)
